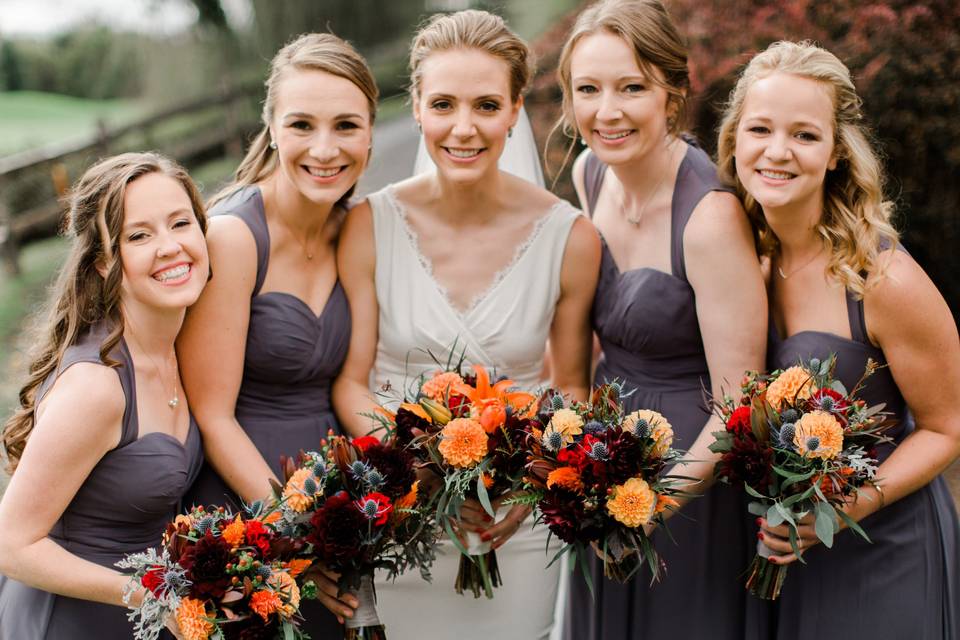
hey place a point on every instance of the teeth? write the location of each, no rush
(323, 173)
(776, 175)
(463, 153)
(614, 136)
(173, 274)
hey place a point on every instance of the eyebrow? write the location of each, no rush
(800, 123)
(447, 96)
(143, 223)
(310, 116)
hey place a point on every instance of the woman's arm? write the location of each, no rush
(356, 263)
(724, 271)
(80, 421)
(211, 350)
(909, 319)
(571, 336)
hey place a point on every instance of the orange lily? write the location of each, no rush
(484, 394)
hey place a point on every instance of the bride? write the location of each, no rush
(472, 254)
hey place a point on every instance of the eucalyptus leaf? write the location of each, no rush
(757, 509)
(773, 516)
(484, 497)
(837, 386)
(852, 524)
(825, 524)
(753, 492)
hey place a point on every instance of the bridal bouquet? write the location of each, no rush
(219, 575)
(470, 433)
(597, 475)
(356, 508)
(801, 445)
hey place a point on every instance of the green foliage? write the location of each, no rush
(11, 73)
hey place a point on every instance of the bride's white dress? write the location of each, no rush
(506, 326)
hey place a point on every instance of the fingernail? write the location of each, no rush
(759, 535)
(488, 517)
(759, 522)
(485, 537)
(772, 560)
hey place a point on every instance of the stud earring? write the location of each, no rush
(273, 145)
(419, 127)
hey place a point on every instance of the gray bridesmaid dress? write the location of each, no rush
(292, 357)
(122, 507)
(646, 321)
(906, 584)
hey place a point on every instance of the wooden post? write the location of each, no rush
(9, 245)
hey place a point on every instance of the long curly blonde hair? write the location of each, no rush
(82, 296)
(855, 226)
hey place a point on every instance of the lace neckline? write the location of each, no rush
(498, 277)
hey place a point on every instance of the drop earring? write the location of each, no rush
(510, 132)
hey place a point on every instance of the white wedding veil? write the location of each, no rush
(519, 157)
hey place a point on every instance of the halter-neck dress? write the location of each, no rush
(647, 324)
(506, 326)
(292, 357)
(906, 584)
(122, 507)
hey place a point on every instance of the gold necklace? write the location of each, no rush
(643, 210)
(303, 243)
(805, 264)
(175, 400)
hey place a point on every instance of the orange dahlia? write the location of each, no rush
(660, 430)
(632, 503)
(294, 493)
(463, 442)
(818, 435)
(796, 383)
(565, 477)
(438, 387)
(297, 566)
(235, 532)
(193, 620)
(664, 503)
(567, 423)
(286, 587)
(265, 603)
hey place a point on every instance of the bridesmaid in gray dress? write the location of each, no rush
(839, 283)
(103, 447)
(679, 309)
(261, 347)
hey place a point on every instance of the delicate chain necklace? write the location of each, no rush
(801, 267)
(175, 400)
(646, 203)
(303, 243)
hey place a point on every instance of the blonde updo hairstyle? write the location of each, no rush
(472, 29)
(309, 52)
(855, 226)
(82, 296)
(646, 27)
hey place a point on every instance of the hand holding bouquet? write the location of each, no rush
(470, 433)
(356, 506)
(218, 575)
(801, 446)
(597, 475)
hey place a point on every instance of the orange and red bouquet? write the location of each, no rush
(468, 431)
(597, 475)
(218, 575)
(801, 446)
(356, 508)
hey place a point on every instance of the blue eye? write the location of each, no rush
(440, 105)
(587, 89)
(635, 88)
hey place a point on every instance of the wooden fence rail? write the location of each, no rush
(33, 182)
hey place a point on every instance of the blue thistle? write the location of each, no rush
(598, 451)
(319, 470)
(826, 403)
(641, 429)
(204, 524)
(594, 428)
(790, 415)
(552, 440)
(370, 509)
(616, 387)
(264, 572)
(787, 432)
(556, 402)
(359, 469)
(813, 443)
(310, 486)
(374, 479)
(254, 508)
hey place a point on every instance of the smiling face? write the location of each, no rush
(162, 249)
(464, 107)
(321, 126)
(784, 145)
(620, 112)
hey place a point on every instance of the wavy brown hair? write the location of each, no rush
(472, 29)
(855, 226)
(646, 27)
(82, 297)
(309, 52)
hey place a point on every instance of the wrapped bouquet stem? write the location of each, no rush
(365, 623)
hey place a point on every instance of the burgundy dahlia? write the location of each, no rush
(206, 565)
(749, 461)
(395, 465)
(409, 426)
(337, 529)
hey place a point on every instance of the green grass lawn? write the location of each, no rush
(30, 119)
